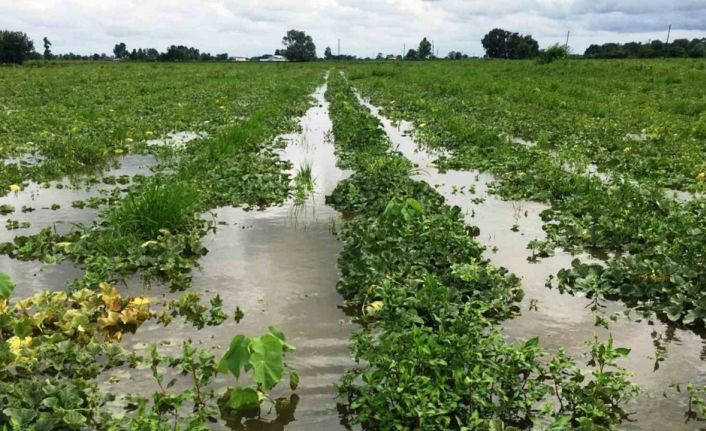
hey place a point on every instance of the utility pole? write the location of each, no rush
(669, 31)
(339, 49)
(404, 50)
(566, 45)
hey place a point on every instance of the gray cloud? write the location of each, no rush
(365, 27)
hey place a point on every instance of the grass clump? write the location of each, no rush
(157, 205)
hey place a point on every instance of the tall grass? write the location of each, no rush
(158, 204)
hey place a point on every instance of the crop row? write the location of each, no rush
(660, 263)
(54, 345)
(645, 119)
(156, 228)
(431, 353)
(77, 119)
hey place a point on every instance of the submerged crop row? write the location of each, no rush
(156, 229)
(431, 353)
(660, 263)
(55, 344)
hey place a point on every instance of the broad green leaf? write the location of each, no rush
(20, 417)
(73, 418)
(24, 328)
(266, 357)
(277, 333)
(237, 357)
(6, 286)
(242, 398)
(622, 351)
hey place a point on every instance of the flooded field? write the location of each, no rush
(278, 266)
(660, 355)
(270, 253)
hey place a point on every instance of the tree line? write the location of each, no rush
(17, 47)
(695, 48)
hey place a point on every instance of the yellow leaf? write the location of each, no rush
(374, 307)
(109, 320)
(140, 301)
(15, 187)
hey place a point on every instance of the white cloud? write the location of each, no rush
(365, 27)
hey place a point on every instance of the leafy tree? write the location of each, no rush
(299, 46)
(15, 47)
(697, 50)
(411, 55)
(424, 50)
(327, 53)
(47, 52)
(499, 43)
(120, 50)
(180, 53)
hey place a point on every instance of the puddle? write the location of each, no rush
(280, 267)
(562, 321)
(177, 140)
(637, 137)
(32, 277)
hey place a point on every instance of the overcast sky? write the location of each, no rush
(365, 27)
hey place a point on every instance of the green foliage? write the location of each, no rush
(15, 47)
(499, 43)
(299, 46)
(638, 122)
(552, 54)
(159, 204)
(6, 286)
(431, 353)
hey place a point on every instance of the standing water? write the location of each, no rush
(563, 321)
(280, 267)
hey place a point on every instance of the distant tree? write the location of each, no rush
(521, 47)
(120, 50)
(499, 43)
(697, 50)
(496, 42)
(15, 47)
(47, 51)
(424, 50)
(656, 48)
(299, 46)
(411, 55)
(455, 55)
(380, 56)
(222, 57)
(180, 53)
(327, 53)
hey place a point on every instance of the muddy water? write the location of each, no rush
(563, 321)
(278, 266)
(31, 277)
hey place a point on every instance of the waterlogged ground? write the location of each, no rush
(279, 267)
(563, 321)
(60, 205)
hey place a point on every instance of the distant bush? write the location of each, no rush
(552, 54)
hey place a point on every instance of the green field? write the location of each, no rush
(612, 152)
